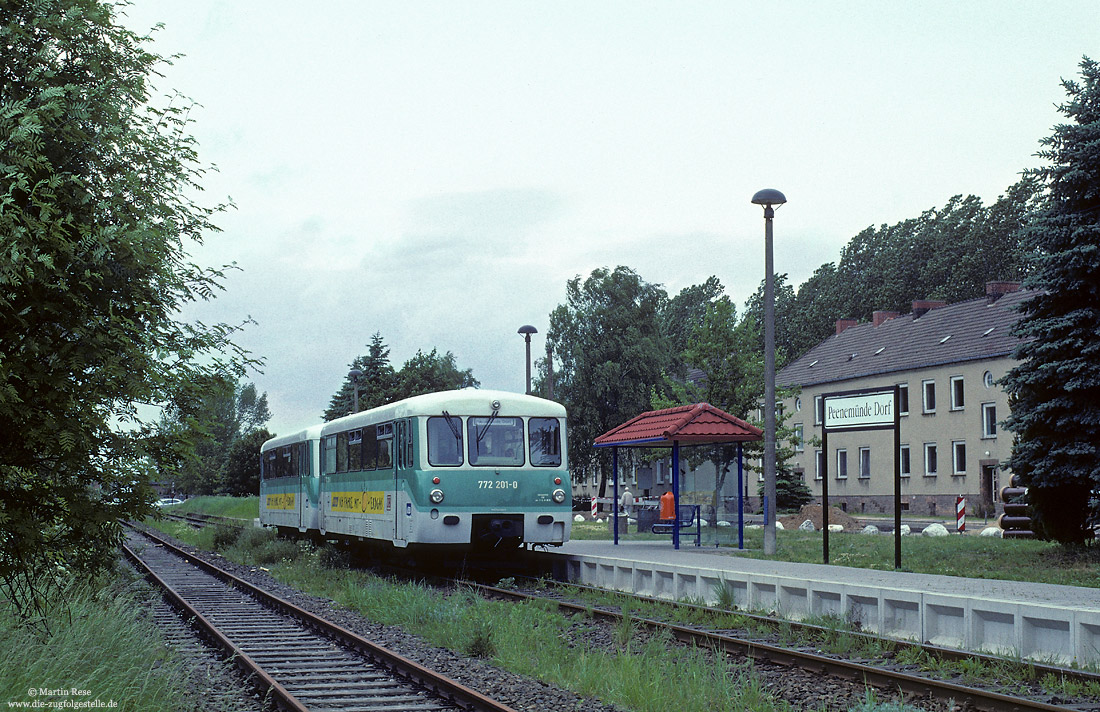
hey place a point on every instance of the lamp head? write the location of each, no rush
(527, 330)
(769, 197)
(354, 374)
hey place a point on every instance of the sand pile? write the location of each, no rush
(813, 513)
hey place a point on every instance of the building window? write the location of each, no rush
(819, 410)
(797, 404)
(819, 464)
(799, 444)
(957, 400)
(903, 398)
(842, 464)
(987, 379)
(864, 462)
(928, 389)
(904, 457)
(958, 457)
(989, 420)
(930, 465)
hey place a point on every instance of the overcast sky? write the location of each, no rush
(437, 171)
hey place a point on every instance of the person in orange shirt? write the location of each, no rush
(668, 506)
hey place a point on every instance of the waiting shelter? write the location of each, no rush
(698, 424)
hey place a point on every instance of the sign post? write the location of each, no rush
(874, 409)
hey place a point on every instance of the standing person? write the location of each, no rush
(626, 502)
(668, 506)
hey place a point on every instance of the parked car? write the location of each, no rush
(166, 501)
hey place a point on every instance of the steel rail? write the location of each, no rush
(444, 687)
(937, 651)
(894, 680)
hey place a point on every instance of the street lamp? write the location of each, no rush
(354, 375)
(769, 197)
(527, 330)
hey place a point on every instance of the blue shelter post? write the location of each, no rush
(676, 493)
(615, 491)
(740, 495)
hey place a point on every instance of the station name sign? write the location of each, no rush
(861, 410)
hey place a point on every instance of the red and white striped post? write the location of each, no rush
(595, 508)
(960, 514)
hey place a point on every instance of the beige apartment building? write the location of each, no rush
(947, 360)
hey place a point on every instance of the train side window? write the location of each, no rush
(544, 435)
(341, 452)
(330, 454)
(284, 461)
(444, 441)
(303, 459)
(370, 449)
(268, 470)
(355, 447)
(385, 459)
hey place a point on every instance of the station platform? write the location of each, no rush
(1030, 620)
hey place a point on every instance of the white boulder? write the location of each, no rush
(578, 518)
(806, 526)
(722, 523)
(992, 531)
(836, 527)
(778, 525)
(869, 529)
(936, 529)
(905, 530)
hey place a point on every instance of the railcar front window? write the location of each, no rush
(444, 441)
(495, 441)
(545, 437)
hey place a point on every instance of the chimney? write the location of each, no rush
(996, 290)
(923, 306)
(843, 324)
(881, 317)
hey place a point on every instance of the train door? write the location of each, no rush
(404, 513)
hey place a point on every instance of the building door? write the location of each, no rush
(989, 486)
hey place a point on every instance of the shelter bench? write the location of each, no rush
(687, 516)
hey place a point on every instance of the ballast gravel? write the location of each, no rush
(801, 689)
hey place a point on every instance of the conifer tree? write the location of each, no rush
(1055, 390)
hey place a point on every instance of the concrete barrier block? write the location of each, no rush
(902, 615)
(793, 599)
(1046, 635)
(762, 595)
(863, 611)
(945, 621)
(993, 627)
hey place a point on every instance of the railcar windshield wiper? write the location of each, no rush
(485, 430)
(454, 428)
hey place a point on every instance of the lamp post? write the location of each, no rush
(354, 375)
(769, 197)
(527, 330)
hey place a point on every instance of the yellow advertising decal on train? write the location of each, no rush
(280, 501)
(361, 502)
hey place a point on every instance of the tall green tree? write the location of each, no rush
(431, 372)
(242, 464)
(223, 415)
(1055, 390)
(97, 211)
(376, 386)
(612, 350)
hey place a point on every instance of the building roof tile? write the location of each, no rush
(689, 424)
(966, 331)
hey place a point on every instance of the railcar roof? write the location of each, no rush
(467, 401)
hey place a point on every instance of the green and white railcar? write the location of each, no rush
(460, 468)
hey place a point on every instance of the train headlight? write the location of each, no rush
(436, 496)
(559, 496)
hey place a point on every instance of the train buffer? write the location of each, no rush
(687, 515)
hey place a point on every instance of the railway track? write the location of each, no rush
(867, 672)
(881, 677)
(300, 660)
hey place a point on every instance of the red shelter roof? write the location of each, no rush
(687, 424)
